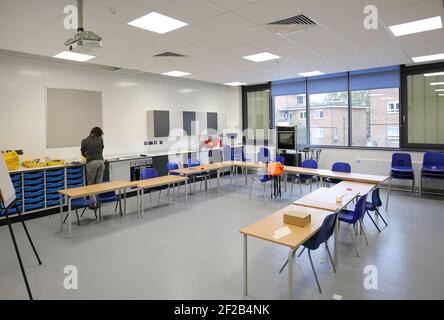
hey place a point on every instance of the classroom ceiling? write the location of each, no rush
(221, 32)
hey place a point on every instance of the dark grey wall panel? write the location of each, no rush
(212, 120)
(161, 123)
(188, 118)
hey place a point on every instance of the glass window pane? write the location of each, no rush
(329, 118)
(425, 111)
(258, 104)
(290, 110)
(375, 118)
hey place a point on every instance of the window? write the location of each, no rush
(333, 118)
(290, 112)
(318, 133)
(393, 107)
(370, 121)
(256, 113)
(424, 110)
(393, 133)
(369, 97)
(319, 114)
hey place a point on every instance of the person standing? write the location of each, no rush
(92, 149)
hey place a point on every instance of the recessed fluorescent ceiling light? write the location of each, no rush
(439, 90)
(441, 94)
(417, 26)
(436, 83)
(157, 22)
(432, 57)
(176, 73)
(434, 74)
(68, 55)
(233, 84)
(259, 57)
(311, 73)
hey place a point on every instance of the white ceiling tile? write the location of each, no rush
(232, 4)
(190, 34)
(266, 11)
(226, 23)
(220, 43)
(180, 9)
(252, 35)
(151, 4)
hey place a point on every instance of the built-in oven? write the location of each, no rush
(137, 166)
(286, 138)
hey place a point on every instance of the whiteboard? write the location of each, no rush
(7, 191)
(70, 116)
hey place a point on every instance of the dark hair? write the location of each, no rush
(96, 132)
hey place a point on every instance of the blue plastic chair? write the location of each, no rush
(173, 166)
(306, 164)
(322, 236)
(202, 176)
(432, 167)
(281, 160)
(81, 203)
(150, 173)
(401, 168)
(374, 206)
(354, 218)
(339, 167)
(262, 179)
(263, 155)
(108, 197)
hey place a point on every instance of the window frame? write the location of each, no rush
(403, 114)
(304, 112)
(317, 114)
(395, 110)
(393, 137)
(318, 129)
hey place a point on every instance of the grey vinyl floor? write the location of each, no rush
(195, 252)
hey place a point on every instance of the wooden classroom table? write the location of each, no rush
(325, 199)
(264, 229)
(157, 182)
(75, 193)
(361, 187)
(204, 168)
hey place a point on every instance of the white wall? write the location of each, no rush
(125, 100)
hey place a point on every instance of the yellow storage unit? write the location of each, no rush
(11, 159)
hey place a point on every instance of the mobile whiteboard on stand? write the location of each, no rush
(9, 201)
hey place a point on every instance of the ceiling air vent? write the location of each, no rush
(128, 71)
(169, 54)
(291, 25)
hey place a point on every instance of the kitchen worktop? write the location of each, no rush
(121, 157)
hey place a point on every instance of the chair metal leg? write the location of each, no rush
(300, 185)
(329, 255)
(117, 204)
(311, 185)
(77, 216)
(84, 209)
(100, 213)
(413, 185)
(301, 252)
(151, 200)
(370, 216)
(388, 193)
(314, 271)
(286, 261)
(353, 242)
(361, 225)
(265, 188)
(158, 199)
(380, 215)
(251, 188)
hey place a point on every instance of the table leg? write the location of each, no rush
(69, 217)
(321, 181)
(61, 212)
(285, 181)
(335, 258)
(186, 191)
(246, 176)
(290, 273)
(218, 179)
(245, 266)
(142, 203)
(124, 201)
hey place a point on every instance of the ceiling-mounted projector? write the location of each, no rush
(83, 41)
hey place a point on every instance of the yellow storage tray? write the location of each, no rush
(33, 164)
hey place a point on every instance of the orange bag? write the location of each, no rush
(275, 169)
